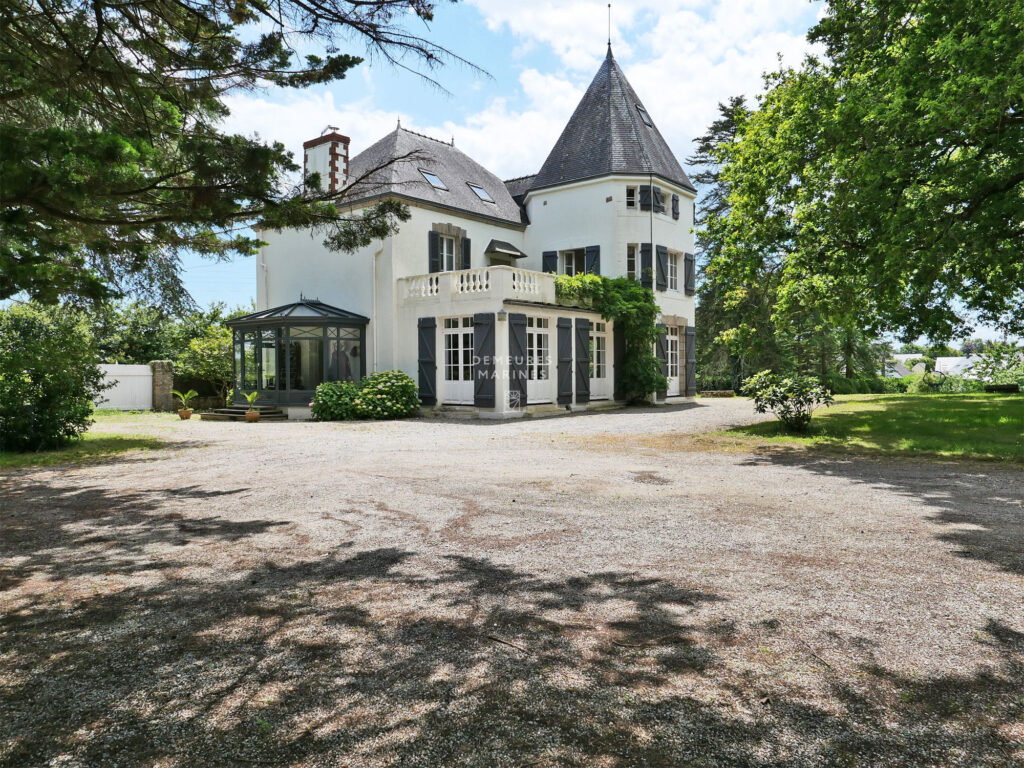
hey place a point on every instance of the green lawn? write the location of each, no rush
(989, 427)
(93, 446)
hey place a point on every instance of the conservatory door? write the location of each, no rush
(672, 349)
(600, 376)
(458, 360)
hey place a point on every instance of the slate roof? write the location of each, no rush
(519, 187)
(606, 134)
(455, 169)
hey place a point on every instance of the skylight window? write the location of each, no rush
(433, 180)
(482, 193)
(644, 116)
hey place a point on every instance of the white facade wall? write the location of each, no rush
(132, 390)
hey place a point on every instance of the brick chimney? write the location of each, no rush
(327, 155)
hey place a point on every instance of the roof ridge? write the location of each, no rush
(424, 136)
(519, 178)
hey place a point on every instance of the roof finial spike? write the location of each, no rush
(399, 123)
(609, 27)
(453, 140)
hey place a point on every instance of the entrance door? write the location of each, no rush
(600, 375)
(672, 350)
(458, 360)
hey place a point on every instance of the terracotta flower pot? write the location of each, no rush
(252, 416)
(184, 413)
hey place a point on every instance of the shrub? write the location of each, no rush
(894, 386)
(793, 399)
(957, 385)
(208, 358)
(385, 395)
(49, 377)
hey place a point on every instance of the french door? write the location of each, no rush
(672, 352)
(457, 334)
(600, 375)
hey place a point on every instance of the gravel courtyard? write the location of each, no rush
(586, 591)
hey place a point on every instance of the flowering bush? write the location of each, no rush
(793, 399)
(385, 395)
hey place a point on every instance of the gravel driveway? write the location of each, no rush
(552, 592)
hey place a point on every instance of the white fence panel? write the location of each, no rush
(132, 390)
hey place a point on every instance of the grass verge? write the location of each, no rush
(978, 426)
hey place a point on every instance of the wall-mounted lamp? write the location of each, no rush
(502, 315)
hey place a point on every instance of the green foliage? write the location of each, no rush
(881, 183)
(114, 161)
(384, 395)
(185, 397)
(958, 385)
(49, 377)
(137, 332)
(251, 398)
(633, 310)
(894, 386)
(209, 358)
(1001, 364)
(793, 398)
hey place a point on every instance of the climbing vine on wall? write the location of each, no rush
(631, 307)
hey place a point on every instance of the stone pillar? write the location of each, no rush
(163, 383)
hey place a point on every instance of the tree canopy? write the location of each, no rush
(883, 182)
(114, 162)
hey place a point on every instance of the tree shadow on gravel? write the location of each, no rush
(980, 508)
(384, 657)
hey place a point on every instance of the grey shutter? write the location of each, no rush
(645, 197)
(661, 350)
(564, 361)
(582, 360)
(427, 333)
(517, 359)
(659, 201)
(549, 261)
(691, 362)
(675, 206)
(646, 266)
(592, 257)
(618, 363)
(689, 274)
(662, 253)
(466, 254)
(433, 252)
(483, 360)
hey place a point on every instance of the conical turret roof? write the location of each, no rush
(611, 132)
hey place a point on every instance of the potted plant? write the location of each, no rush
(185, 412)
(252, 414)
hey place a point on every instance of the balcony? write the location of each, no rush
(494, 284)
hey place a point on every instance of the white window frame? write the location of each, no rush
(578, 264)
(598, 350)
(672, 351)
(538, 349)
(631, 197)
(446, 248)
(633, 261)
(457, 333)
(673, 271)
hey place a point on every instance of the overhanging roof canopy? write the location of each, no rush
(504, 249)
(304, 311)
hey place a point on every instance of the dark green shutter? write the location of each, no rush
(691, 362)
(659, 201)
(661, 350)
(662, 254)
(564, 361)
(549, 261)
(483, 360)
(592, 258)
(689, 274)
(582, 360)
(619, 358)
(646, 265)
(675, 206)
(645, 197)
(517, 360)
(466, 254)
(427, 333)
(434, 252)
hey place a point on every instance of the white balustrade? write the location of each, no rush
(499, 282)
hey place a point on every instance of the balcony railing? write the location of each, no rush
(498, 282)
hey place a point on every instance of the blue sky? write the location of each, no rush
(682, 57)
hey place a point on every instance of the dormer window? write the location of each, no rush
(482, 193)
(644, 116)
(433, 180)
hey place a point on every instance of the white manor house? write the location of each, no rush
(462, 297)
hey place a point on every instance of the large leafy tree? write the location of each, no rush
(888, 175)
(113, 159)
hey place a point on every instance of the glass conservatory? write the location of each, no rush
(286, 352)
